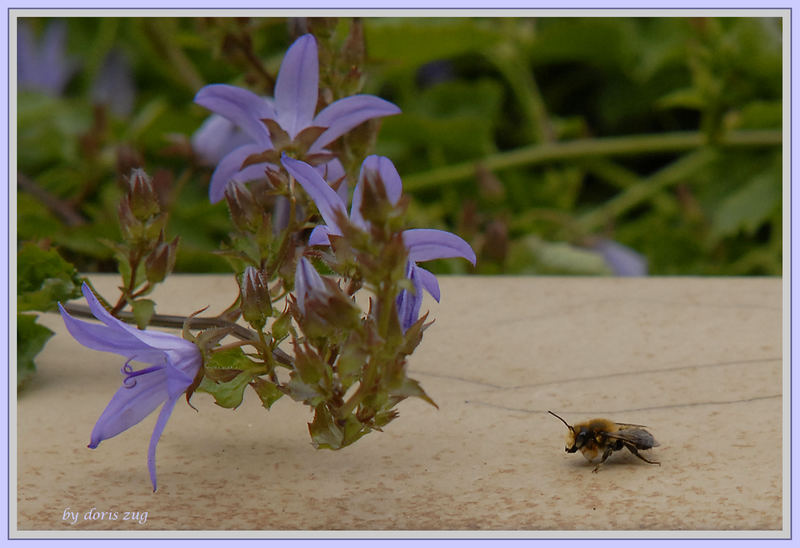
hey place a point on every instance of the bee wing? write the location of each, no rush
(625, 425)
(642, 439)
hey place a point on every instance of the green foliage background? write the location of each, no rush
(530, 137)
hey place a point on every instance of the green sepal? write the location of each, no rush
(143, 310)
(31, 338)
(310, 394)
(411, 388)
(227, 394)
(227, 374)
(44, 279)
(280, 327)
(325, 433)
(352, 358)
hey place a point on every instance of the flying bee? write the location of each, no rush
(602, 435)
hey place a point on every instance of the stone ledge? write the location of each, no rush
(698, 360)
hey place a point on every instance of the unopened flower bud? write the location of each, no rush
(306, 281)
(245, 213)
(142, 195)
(380, 187)
(324, 307)
(256, 302)
(160, 262)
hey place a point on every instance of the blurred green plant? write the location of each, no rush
(534, 137)
(43, 279)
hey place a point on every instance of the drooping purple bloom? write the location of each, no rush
(422, 244)
(43, 66)
(622, 260)
(173, 361)
(293, 109)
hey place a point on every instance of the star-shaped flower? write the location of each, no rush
(287, 123)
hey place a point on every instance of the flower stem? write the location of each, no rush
(674, 173)
(177, 322)
(585, 148)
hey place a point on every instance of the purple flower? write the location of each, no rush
(622, 260)
(113, 86)
(422, 244)
(296, 93)
(174, 362)
(43, 67)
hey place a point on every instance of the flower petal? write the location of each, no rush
(383, 167)
(409, 302)
(296, 88)
(333, 172)
(163, 417)
(164, 343)
(215, 138)
(325, 198)
(230, 167)
(130, 404)
(54, 69)
(343, 115)
(109, 339)
(425, 244)
(426, 280)
(319, 236)
(27, 56)
(242, 107)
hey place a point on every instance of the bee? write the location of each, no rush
(602, 435)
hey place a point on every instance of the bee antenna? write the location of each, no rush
(562, 420)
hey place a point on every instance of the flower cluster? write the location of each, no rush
(300, 259)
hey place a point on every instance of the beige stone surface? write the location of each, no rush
(699, 361)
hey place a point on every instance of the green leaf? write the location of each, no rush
(227, 394)
(748, 207)
(232, 358)
(412, 42)
(31, 338)
(44, 279)
(143, 310)
(689, 98)
(267, 391)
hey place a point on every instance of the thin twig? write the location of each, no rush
(62, 209)
(586, 148)
(177, 322)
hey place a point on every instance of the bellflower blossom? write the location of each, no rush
(296, 94)
(43, 65)
(174, 362)
(422, 244)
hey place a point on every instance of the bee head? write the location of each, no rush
(574, 441)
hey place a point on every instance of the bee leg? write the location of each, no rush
(606, 454)
(632, 449)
